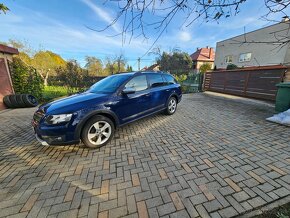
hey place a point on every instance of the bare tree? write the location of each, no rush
(115, 64)
(133, 14)
(121, 62)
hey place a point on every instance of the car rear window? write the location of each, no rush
(170, 79)
(156, 80)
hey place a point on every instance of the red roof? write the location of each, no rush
(152, 67)
(8, 50)
(203, 54)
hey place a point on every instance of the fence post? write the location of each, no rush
(200, 82)
(246, 83)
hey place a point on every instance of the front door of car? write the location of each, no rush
(133, 105)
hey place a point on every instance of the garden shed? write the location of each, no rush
(6, 86)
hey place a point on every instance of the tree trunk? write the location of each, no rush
(46, 78)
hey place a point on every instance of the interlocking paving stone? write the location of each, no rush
(214, 157)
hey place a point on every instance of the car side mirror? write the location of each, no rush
(129, 90)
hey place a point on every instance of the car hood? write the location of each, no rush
(74, 103)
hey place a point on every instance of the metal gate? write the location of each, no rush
(258, 82)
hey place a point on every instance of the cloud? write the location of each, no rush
(184, 36)
(70, 41)
(105, 16)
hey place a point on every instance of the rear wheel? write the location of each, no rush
(171, 106)
(97, 132)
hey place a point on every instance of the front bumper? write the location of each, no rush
(54, 135)
(41, 141)
(55, 140)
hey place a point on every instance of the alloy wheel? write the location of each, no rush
(172, 105)
(99, 132)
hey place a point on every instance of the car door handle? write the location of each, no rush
(147, 95)
(167, 90)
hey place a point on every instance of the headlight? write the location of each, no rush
(56, 119)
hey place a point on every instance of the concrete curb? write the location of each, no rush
(267, 207)
(240, 99)
(5, 110)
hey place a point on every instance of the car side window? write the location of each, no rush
(139, 83)
(156, 80)
(170, 79)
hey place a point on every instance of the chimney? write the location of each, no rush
(211, 53)
(197, 48)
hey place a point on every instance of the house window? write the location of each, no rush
(229, 59)
(245, 57)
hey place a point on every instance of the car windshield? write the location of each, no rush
(109, 84)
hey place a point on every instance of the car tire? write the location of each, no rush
(20, 101)
(13, 101)
(93, 132)
(29, 100)
(7, 102)
(171, 106)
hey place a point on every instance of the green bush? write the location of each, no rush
(25, 79)
(232, 67)
(180, 78)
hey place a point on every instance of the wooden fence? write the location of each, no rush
(258, 82)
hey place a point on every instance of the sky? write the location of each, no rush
(65, 27)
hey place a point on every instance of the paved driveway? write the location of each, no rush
(214, 157)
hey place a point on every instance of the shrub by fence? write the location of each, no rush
(85, 82)
(25, 79)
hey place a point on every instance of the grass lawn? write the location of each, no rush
(53, 92)
(280, 212)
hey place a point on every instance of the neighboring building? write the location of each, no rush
(6, 87)
(153, 67)
(256, 48)
(202, 56)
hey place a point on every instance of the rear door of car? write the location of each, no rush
(159, 91)
(172, 85)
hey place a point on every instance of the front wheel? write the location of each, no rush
(97, 132)
(171, 106)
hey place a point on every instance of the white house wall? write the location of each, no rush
(262, 54)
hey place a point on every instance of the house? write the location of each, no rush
(263, 47)
(203, 56)
(153, 67)
(6, 87)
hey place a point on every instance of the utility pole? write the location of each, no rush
(119, 65)
(139, 60)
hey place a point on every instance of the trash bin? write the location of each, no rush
(283, 97)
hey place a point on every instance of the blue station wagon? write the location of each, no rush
(93, 116)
